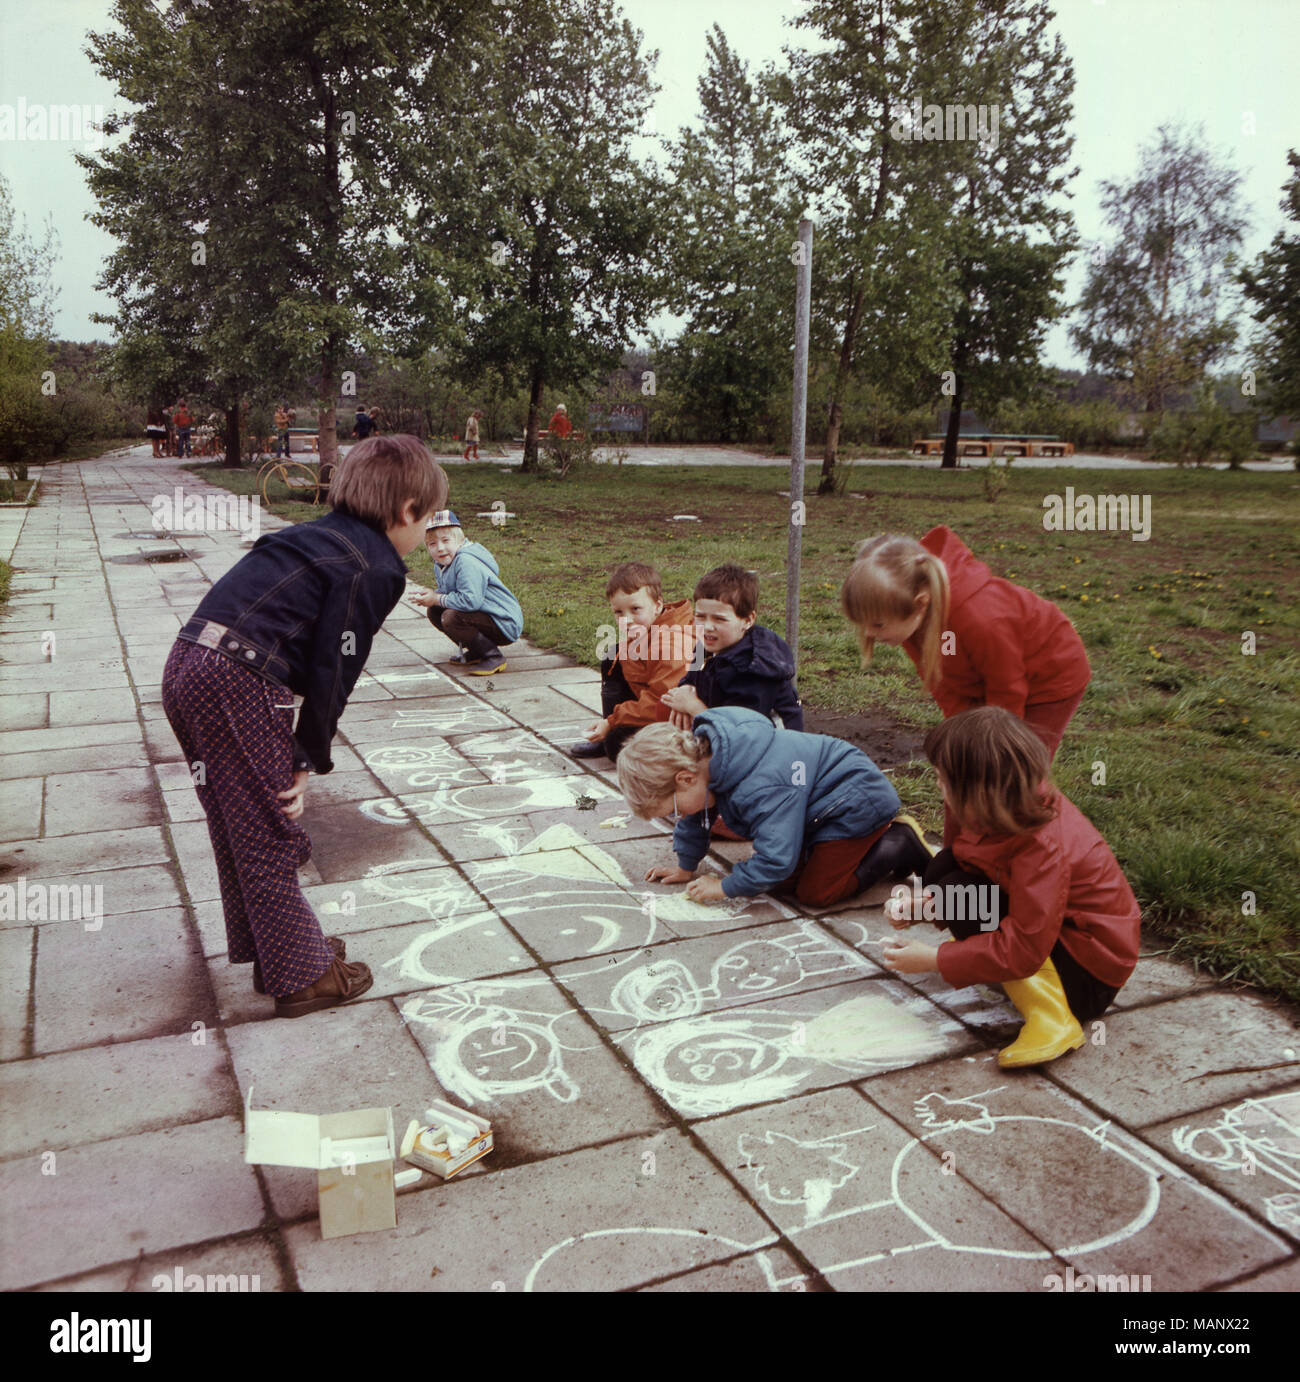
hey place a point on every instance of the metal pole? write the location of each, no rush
(803, 294)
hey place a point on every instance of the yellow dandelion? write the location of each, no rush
(1245, 719)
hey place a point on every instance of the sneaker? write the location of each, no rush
(588, 748)
(335, 943)
(341, 983)
(493, 663)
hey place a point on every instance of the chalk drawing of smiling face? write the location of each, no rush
(489, 1059)
(756, 967)
(655, 992)
(715, 1062)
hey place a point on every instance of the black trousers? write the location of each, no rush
(614, 690)
(475, 631)
(1087, 996)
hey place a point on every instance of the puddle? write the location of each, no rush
(148, 535)
(153, 558)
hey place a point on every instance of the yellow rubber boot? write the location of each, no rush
(1050, 1029)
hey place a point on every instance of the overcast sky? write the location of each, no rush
(1227, 64)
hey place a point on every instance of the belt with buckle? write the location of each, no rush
(209, 634)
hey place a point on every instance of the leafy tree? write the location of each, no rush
(1155, 307)
(255, 197)
(1010, 234)
(1272, 284)
(550, 258)
(26, 321)
(882, 297)
(733, 221)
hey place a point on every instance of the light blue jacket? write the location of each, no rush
(471, 580)
(784, 790)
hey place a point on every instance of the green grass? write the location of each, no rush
(6, 575)
(1200, 741)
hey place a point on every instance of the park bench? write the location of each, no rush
(992, 444)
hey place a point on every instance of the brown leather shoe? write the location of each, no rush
(338, 946)
(341, 983)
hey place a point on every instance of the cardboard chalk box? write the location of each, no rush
(450, 1140)
(351, 1153)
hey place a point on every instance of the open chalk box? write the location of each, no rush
(449, 1140)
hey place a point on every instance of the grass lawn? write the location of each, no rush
(1186, 750)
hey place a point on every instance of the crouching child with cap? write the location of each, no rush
(471, 604)
(823, 818)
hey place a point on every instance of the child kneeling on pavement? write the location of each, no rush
(1066, 936)
(822, 817)
(471, 605)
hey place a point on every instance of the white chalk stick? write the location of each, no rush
(403, 1178)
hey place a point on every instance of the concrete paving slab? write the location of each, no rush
(1191, 1053)
(589, 1221)
(140, 976)
(1249, 1149)
(16, 948)
(25, 710)
(98, 850)
(345, 839)
(727, 1060)
(679, 979)
(74, 648)
(870, 1205)
(103, 1092)
(1156, 978)
(393, 894)
(514, 755)
(193, 847)
(76, 803)
(87, 708)
(112, 895)
(548, 676)
(419, 723)
(249, 1263)
(434, 765)
(1283, 1278)
(554, 795)
(1123, 1209)
(70, 736)
(128, 754)
(516, 1052)
(583, 693)
(21, 803)
(149, 1193)
(357, 1056)
(160, 743)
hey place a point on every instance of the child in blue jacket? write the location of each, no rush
(471, 605)
(744, 663)
(822, 817)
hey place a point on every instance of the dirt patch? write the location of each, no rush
(882, 738)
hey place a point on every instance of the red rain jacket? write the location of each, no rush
(1061, 882)
(1013, 648)
(656, 660)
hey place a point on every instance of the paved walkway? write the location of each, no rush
(684, 1097)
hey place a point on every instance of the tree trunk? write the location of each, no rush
(233, 458)
(950, 458)
(836, 415)
(534, 419)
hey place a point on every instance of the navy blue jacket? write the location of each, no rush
(784, 790)
(295, 599)
(757, 672)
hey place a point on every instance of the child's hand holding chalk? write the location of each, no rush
(909, 957)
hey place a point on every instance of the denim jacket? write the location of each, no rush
(303, 608)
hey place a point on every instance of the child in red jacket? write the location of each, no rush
(975, 638)
(656, 644)
(1062, 938)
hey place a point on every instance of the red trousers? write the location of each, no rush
(239, 727)
(829, 873)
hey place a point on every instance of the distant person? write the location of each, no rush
(471, 605)
(471, 435)
(1067, 923)
(282, 430)
(377, 421)
(560, 426)
(362, 425)
(169, 426)
(155, 429)
(183, 421)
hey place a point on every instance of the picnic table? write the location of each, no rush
(997, 444)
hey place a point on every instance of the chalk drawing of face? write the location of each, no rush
(754, 968)
(657, 992)
(790, 1171)
(1259, 1135)
(423, 765)
(490, 1059)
